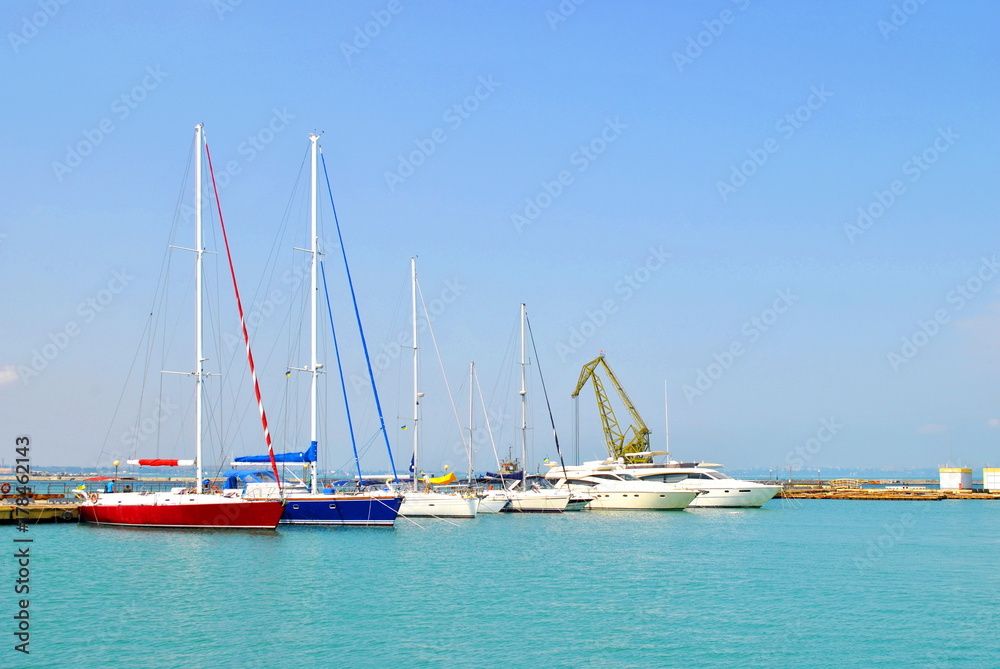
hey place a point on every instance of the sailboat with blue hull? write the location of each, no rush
(305, 503)
(322, 507)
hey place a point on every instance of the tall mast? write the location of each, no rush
(666, 420)
(199, 252)
(416, 385)
(472, 376)
(313, 292)
(524, 407)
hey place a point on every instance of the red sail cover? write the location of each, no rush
(155, 462)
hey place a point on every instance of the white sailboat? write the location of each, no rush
(527, 496)
(428, 502)
(490, 501)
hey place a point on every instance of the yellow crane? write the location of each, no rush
(627, 444)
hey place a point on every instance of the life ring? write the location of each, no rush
(215, 489)
(5, 488)
(93, 497)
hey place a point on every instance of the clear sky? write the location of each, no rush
(782, 210)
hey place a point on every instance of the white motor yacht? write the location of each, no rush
(720, 490)
(614, 489)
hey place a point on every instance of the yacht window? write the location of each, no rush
(608, 477)
(665, 478)
(628, 477)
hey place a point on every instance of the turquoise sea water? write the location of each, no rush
(813, 583)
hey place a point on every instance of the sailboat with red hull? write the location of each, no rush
(192, 507)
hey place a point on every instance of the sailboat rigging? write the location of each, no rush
(539, 496)
(428, 502)
(311, 506)
(192, 508)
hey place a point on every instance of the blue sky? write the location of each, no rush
(781, 211)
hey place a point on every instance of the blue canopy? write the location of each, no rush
(308, 455)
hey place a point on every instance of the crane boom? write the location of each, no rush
(621, 444)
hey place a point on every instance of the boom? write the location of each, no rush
(625, 444)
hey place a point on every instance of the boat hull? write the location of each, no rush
(612, 499)
(363, 510)
(492, 504)
(718, 490)
(538, 502)
(438, 505)
(189, 511)
(733, 497)
(579, 501)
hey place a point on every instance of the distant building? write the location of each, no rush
(991, 479)
(956, 478)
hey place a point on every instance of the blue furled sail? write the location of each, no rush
(309, 455)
